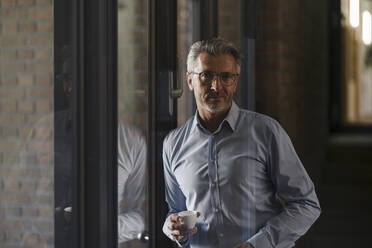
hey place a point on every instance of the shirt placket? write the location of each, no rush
(214, 185)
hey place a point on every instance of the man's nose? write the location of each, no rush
(216, 84)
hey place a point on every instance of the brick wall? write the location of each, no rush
(26, 101)
(133, 62)
(292, 75)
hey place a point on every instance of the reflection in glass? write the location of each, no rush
(132, 133)
(356, 61)
(229, 28)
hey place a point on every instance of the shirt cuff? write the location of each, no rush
(183, 244)
(260, 240)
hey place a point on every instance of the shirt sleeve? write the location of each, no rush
(294, 187)
(173, 195)
(132, 185)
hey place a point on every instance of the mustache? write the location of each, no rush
(215, 94)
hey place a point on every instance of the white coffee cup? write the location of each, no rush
(189, 218)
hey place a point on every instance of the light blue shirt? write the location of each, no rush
(245, 179)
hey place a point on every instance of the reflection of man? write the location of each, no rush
(131, 183)
(237, 168)
(131, 171)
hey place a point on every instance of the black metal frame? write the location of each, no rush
(89, 31)
(336, 99)
(208, 17)
(163, 66)
(100, 123)
(67, 44)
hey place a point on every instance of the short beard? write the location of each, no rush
(213, 110)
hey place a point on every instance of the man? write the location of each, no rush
(237, 168)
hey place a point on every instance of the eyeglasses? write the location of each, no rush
(207, 77)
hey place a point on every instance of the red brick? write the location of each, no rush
(43, 54)
(13, 159)
(43, 107)
(9, 145)
(11, 93)
(10, 131)
(41, 40)
(14, 13)
(29, 186)
(24, 132)
(8, 3)
(13, 211)
(32, 239)
(12, 119)
(44, 93)
(47, 240)
(25, 54)
(46, 212)
(43, 133)
(12, 41)
(45, 159)
(8, 80)
(40, 146)
(42, 200)
(8, 54)
(19, 198)
(45, 26)
(40, 67)
(44, 2)
(11, 185)
(25, 107)
(27, 27)
(10, 68)
(26, 3)
(43, 226)
(14, 225)
(9, 28)
(41, 13)
(25, 79)
(30, 211)
(9, 106)
(44, 80)
(46, 186)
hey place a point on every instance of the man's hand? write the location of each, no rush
(245, 245)
(178, 230)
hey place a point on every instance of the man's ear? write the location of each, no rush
(236, 83)
(189, 81)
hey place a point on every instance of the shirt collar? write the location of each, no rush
(231, 119)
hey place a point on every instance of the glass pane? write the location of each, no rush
(133, 127)
(229, 28)
(187, 33)
(357, 61)
(26, 124)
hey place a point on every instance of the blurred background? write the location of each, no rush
(308, 64)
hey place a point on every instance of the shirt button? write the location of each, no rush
(213, 185)
(216, 210)
(221, 235)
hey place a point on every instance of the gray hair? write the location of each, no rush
(215, 47)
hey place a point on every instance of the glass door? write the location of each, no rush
(120, 71)
(133, 123)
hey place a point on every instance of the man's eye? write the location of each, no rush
(226, 76)
(207, 75)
